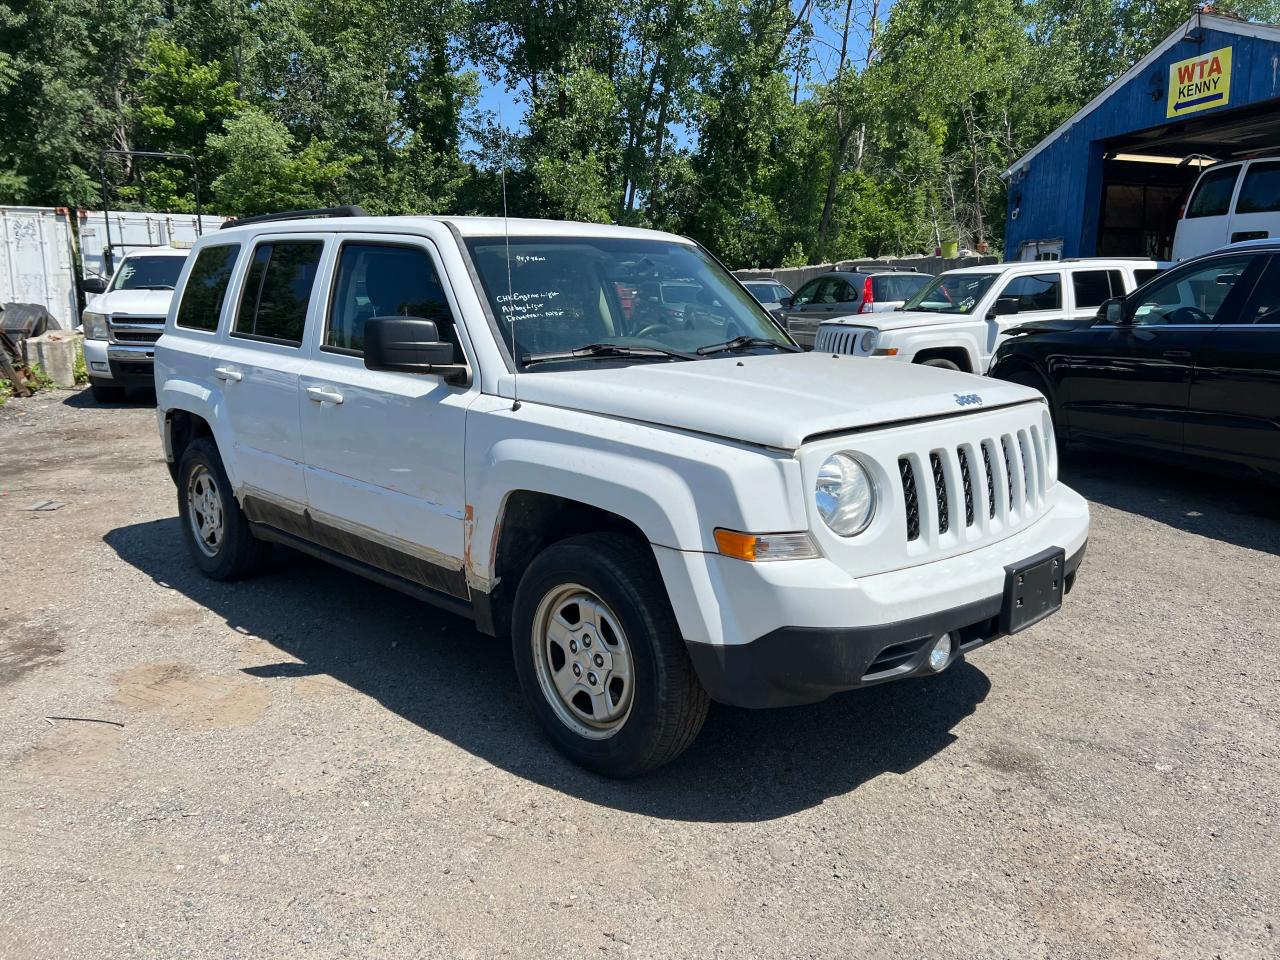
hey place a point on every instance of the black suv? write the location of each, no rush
(1187, 366)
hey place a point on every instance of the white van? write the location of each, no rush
(1231, 202)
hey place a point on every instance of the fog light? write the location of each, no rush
(940, 655)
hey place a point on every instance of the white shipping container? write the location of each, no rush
(37, 260)
(134, 230)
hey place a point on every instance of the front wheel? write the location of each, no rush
(600, 658)
(940, 362)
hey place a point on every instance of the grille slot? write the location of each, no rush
(967, 481)
(911, 497)
(991, 486)
(1028, 468)
(940, 491)
(1006, 448)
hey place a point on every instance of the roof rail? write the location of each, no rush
(348, 210)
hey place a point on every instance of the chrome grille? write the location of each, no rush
(135, 329)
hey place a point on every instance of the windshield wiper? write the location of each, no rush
(744, 343)
(154, 286)
(605, 351)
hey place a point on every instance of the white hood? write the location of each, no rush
(776, 400)
(898, 320)
(132, 303)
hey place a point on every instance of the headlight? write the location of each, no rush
(95, 326)
(845, 495)
(868, 342)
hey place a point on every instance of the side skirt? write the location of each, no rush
(416, 590)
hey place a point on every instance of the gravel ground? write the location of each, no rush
(310, 765)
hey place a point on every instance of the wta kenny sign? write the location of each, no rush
(1200, 83)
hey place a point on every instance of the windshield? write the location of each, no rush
(952, 293)
(571, 292)
(148, 273)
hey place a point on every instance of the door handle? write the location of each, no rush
(228, 373)
(324, 395)
(1177, 354)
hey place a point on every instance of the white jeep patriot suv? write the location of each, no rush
(507, 420)
(959, 319)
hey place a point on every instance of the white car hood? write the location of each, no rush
(897, 320)
(776, 400)
(132, 303)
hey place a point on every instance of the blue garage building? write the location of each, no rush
(1111, 180)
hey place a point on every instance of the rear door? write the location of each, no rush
(1089, 289)
(1256, 214)
(258, 363)
(1207, 216)
(1234, 410)
(824, 298)
(384, 450)
(1130, 382)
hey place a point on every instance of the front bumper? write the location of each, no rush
(795, 665)
(120, 364)
(796, 631)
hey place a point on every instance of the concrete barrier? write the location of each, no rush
(56, 352)
(794, 277)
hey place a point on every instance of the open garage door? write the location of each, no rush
(1148, 174)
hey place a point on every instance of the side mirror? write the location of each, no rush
(1004, 307)
(786, 302)
(1112, 312)
(93, 285)
(410, 345)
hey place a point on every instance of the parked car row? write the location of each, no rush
(591, 439)
(1183, 363)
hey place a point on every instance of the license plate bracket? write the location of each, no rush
(1032, 590)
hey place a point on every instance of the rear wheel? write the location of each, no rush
(215, 528)
(600, 658)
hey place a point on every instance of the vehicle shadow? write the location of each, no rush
(435, 670)
(135, 397)
(1235, 511)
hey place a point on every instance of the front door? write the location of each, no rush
(1130, 382)
(384, 450)
(1235, 391)
(258, 363)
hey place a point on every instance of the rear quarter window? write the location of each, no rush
(1260, 192)
(206, 287)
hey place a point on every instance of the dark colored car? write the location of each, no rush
(840, 293)
(1186, 367)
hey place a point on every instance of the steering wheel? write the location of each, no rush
(652, 329)
(1188, 315)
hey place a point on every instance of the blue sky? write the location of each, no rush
(507, 104)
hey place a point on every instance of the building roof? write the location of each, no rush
(1208, 21)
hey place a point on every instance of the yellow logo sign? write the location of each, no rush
(1200, 83)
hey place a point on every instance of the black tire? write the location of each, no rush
(942, 362)
(236, 552)
(1027, 377)
(667, 703)
(105, 392)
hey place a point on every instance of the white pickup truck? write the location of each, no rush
(656, 509)
(959, 319)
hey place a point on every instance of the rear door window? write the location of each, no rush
(1041, 291)
(1092, 287)
(207, 287)
(1260, 192)
(1264, 303)
(277, 291)
(1212, 197)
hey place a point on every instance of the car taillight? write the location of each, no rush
(868, 298)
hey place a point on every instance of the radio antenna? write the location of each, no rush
(506, 235)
